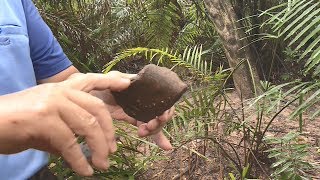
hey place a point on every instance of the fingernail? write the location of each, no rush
(114, 147)
(131, 76)
(124, 80)
(114, 142)
(90, 170)
(106, 164)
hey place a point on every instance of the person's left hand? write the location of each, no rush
(153, 128)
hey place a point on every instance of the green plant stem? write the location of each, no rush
(235, 152)
(257, 129)
(259, 164)
(300, 115)
(274, 117)
(244, 133)
(272, 61)
(252, 78)
(238, 166)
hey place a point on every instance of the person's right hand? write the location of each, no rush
(47, 117)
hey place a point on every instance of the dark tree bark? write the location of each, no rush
(224, 17)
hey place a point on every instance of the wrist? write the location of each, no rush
(13, 134)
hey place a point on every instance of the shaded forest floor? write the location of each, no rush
(181, 163)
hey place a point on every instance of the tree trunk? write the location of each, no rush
(237, 49)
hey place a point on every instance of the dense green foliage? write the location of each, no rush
(101, 35)
(290, 155)
(92, 32)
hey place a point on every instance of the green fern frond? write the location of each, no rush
(71, 22)
(290, 92)
(198, 110)
(161, 23)
(191, 59)
(310, 101)
(290, 157)
(299, 23)
(200, 102)
(188, 34)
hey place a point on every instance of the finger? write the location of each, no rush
(162, 141)
(85, 124)
(154, 125)
(125, 75)
(120, 115)
(97, 108)
(159, 138)
(144, 131)
(114, 80)
(63, 141)
(167, 115)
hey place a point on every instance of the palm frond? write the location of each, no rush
(73, 28)
(299, 23)
(197, 27)
(191, 59)
(201, 108)
(291, 92)
(161, 23)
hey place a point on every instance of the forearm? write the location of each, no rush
(63, 75)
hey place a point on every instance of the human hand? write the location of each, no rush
(153, 128)
(47, 117)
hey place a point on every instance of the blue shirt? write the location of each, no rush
(28, 52)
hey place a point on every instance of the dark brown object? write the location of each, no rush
(44, 173)
(153, 91)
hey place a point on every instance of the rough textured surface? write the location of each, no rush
(154, 90)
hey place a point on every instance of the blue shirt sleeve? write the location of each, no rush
(46, 53)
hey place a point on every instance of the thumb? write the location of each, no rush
(114, 80)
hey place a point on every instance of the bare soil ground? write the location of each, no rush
(182, 164)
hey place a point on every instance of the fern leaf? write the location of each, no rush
(305, 21)
(304, 31)
(300, 17)
(191, 59)
(290, 14)
(306, 104)
(311, 46)
(308, 38)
